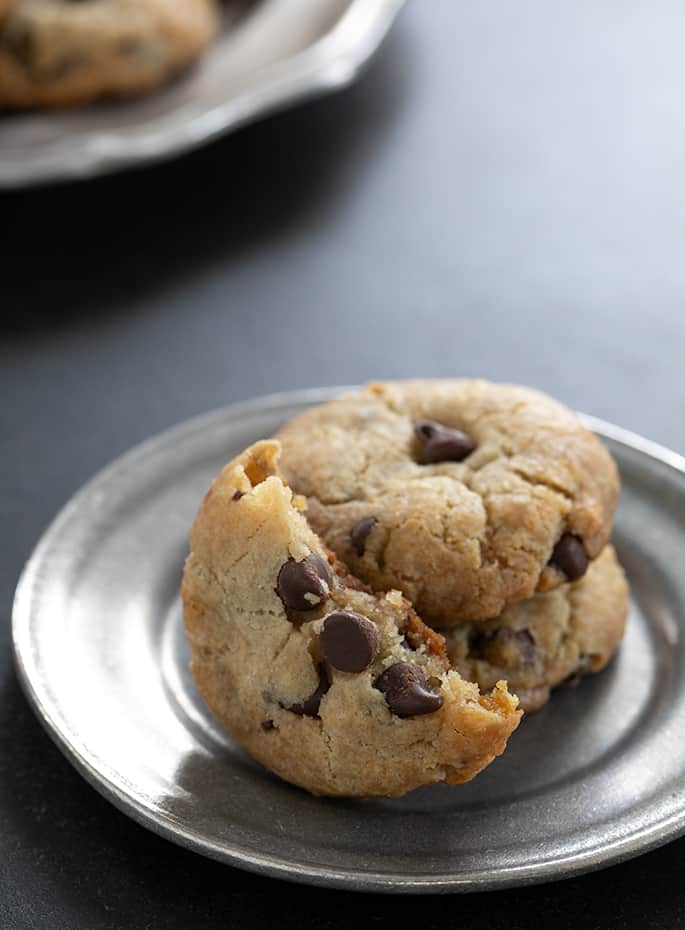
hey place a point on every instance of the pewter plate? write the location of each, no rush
(596, 777)
(271, 54)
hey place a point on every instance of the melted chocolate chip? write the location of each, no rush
(304, 585)
(237, 495)
(349, 641)
(267, 725)
(438, 443)
(570, 557)
(359, 534)
(406, 691)
(310, 706)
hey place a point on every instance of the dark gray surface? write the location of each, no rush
(501, 195)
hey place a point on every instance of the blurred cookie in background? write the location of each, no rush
(61, 53)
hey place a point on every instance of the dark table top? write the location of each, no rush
(502, 194)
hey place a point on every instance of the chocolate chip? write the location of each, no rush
(62, 68)
(524, 644)
(349, 641)
(586, 665)
(237, 495)
(406, 690)
(310, 706)
(570, 557)
(504, 647)
(360, 532)
(20, 43)
(438, 443)
(131, 47)
(267, 725)
(304, 585)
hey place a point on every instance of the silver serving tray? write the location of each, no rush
(271, 54)
(594, 778)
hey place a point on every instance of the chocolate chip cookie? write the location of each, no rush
(60, 52)
(554, 637)
(465, 495)
(334, 688)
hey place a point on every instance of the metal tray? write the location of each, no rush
(596, 777)
(271, 54)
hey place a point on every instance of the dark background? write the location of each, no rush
(502, 194)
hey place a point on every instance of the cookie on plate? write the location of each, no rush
(535, 645)
(465, 495)
(58, 52)
(334, 688)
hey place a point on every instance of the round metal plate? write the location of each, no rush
(597, 776)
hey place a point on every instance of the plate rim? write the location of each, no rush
(628, 846)
(332, 62)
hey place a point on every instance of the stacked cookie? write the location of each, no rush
(373, 596)
(57, 52)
